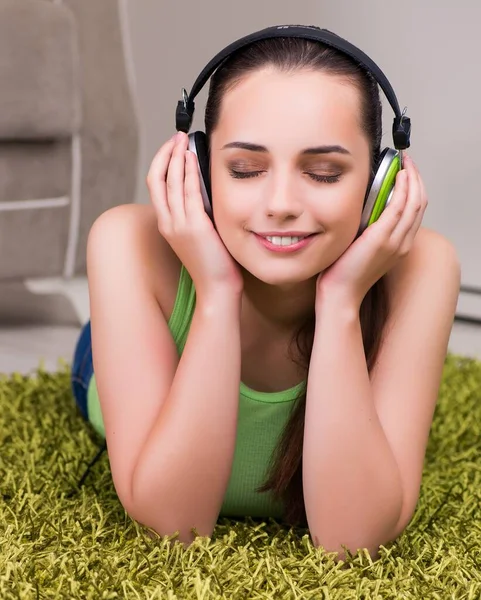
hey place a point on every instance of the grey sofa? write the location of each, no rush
(68, 131)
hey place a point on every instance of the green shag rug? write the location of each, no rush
(58, 541)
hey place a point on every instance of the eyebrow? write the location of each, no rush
(307, 151)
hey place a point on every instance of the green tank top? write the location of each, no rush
(261, 419)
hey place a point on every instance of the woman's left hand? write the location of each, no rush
(383, 243)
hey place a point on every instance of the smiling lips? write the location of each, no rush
(286, 242)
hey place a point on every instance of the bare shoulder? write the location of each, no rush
(432, 255)
(137, 224)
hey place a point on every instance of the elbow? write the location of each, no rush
(164, 522)
(377, 522)
(366, 539)
(166, 519)
(175, 526)
(131, 508)
(341, 551)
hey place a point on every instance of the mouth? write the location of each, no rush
(284, 244)
(285, 234)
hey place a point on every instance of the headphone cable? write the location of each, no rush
(102, 449)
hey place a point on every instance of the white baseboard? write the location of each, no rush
(74, 288)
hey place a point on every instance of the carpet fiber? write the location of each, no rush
(59, 541)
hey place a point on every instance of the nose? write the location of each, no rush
(281, 199)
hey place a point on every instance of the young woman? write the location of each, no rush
(215, 352)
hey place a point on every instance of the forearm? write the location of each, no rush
(185, 464)
(352, 486)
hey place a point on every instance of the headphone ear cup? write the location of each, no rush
(381, 188)
(198, 145)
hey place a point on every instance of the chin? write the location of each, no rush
(279, 276)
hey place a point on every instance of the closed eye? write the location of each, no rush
(250, 174)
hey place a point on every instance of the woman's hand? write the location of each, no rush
(174, 186)
(382, 244)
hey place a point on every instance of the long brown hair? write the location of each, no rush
(289, 55)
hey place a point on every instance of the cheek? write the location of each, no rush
(337, 208)
(231, 205)
(339, 215)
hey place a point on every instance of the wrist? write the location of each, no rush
(336, 300)
(219, 300)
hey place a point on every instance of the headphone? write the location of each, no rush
(381, 184)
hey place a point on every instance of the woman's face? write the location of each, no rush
(286, 115)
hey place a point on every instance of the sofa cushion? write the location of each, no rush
(35, 170)
(39, 71)
(33, 242)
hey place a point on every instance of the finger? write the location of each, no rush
(156, 179)
(395, 209)
(194, 205)
(414, 209)
(409, 240)
(175, 181)
(423, 189)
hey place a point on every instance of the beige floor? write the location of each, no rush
(41, 326)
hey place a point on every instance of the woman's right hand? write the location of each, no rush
(174, 186)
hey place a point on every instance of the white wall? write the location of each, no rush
(429, 51)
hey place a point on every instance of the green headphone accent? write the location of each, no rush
(380, 190)
(386, 190)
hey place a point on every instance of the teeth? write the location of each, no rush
(283, 241)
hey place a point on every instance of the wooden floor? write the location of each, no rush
(35, 327)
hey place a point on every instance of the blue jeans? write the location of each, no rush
(81, 373)
(82, 368)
